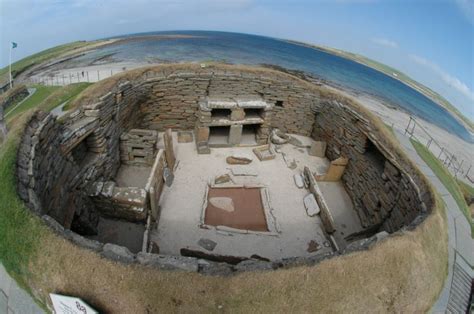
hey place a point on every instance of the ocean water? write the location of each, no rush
(254, 50)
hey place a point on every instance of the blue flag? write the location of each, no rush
(14, 45)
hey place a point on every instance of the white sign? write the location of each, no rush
(70, 305)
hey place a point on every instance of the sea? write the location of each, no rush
(237, 48)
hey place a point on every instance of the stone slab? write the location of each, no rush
(299, 181)
(318, 149)
(169, 149)
(242, 171)
(312, 207)
(238, 159)
(207, 244)
(185, 137)
(235, 134)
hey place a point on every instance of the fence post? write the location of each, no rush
(442, 151)
(87, 76)
(98, 75)
(406, 129)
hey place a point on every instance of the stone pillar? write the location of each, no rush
(202, 134)
(318, 149)
(169, 150)
(237, 114)
(235, 134)
(335, 171)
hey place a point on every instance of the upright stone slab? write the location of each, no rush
(235, 134)
(169, 149)
(237, 114)
(202, 134)
(318, 149)
(335, 171)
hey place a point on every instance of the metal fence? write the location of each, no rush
(459, 167)
(73, 77)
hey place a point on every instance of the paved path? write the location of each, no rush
(13, 299)
(455, 294)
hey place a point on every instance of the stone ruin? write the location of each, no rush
(116, 175)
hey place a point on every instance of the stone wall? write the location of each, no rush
(48, 179)
(113, 201)
(384, 195)
(58, 162)
(174, 97)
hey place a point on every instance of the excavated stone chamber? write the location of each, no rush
(217, 169)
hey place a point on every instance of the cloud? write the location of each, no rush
(446, 77)
(467, 8)
(385, 42)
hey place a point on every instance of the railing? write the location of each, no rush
(454, 164)
(73, 77)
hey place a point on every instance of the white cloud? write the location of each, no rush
(446, 77)
(467, 8)
(385, 42)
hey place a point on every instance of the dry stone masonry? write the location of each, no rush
(66, 169)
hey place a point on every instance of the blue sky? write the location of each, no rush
(430, 40)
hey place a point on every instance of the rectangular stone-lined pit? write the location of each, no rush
(235, 207)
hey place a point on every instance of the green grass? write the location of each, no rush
(21, 232)
(390, 128)
(42, 92)
(466, 189)
(445, 177)
(68, 93)
(15, 219)
(61, 95)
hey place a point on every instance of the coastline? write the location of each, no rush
(461, 118)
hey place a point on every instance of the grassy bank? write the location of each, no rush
(445, 177)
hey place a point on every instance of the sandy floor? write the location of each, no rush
(182, 204)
